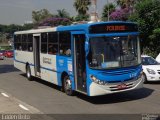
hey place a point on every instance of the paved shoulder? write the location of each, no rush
(12, 105)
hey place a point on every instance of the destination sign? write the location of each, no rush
(112, 28)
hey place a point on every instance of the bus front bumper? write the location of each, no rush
(96, 89)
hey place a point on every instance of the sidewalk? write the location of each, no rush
(12, 107)
(9, 104)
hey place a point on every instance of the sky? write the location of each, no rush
(19, 11)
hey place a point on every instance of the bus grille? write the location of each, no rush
(129, 84)
(119, 81)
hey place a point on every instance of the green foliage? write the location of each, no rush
(82, 6)
(155, 41)
(39, 16)
(62, 14)
(7, 31)
(13, 28)
(6, 47)
(148, 51)
(147, 15)
(81, 18)
(107, 8)
(9, 28)
(27, 26)
(119, 12)
(126, 3)
(55, 22)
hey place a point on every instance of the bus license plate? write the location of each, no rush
(122, 86)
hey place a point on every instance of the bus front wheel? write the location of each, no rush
(68, 86)
(28, 73)
(144, 78)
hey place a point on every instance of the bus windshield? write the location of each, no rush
(114, 52)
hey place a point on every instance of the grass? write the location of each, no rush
(6, 47)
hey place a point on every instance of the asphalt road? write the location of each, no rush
(49, 99)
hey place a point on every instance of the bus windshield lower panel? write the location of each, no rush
(114, 52)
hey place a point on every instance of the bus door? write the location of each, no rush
(36, 44)
(80, 62)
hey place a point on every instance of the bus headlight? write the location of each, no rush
(95, 80)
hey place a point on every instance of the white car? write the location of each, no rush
(158, 58)
(151, 69)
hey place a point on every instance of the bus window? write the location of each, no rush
(53, 43)
(44, 43)
(17, 42)
(52, 49)
(24, 42)
(65, 43)
(53, 37)
(30, 43)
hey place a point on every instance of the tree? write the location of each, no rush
(119, 14)
(108, 8)
(28, 26)
(62, 14)
(40, 15)
(126, 3)
(81, 18)
(155, 42)
(7, 31)
(55, 22)
(148, 18)
(126, 8)
(12, 28)
(82, 6)
(61, 18)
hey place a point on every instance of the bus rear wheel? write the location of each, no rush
(28, 73)
(68, 86)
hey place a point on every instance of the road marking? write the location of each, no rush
(4, 94)
(23, 107)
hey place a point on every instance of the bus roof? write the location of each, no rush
(76, 27)
(36, 31)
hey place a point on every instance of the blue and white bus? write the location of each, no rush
(93, 59)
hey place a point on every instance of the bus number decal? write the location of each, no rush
(61, 62)
(132, 75)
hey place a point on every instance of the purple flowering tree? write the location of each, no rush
(120, 14)
(126, 9)
(55, 22)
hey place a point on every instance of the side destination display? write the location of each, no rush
(111, 28)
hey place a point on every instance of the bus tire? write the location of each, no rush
(68, 86)
(28, 73)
